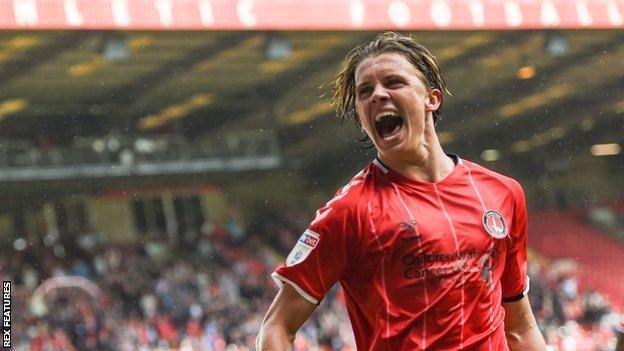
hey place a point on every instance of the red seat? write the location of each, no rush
(600, 257)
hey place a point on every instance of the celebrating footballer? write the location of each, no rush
(429, 248)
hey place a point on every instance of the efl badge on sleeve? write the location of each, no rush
(306, 243)
(494, 224)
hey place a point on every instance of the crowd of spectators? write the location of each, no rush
(570, 318)
(211, 295)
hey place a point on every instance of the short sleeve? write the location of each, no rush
(515, 283)
(322, 254)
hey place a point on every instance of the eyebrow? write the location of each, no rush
(388, 77)
(394, 76)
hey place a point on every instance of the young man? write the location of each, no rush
(430, 249)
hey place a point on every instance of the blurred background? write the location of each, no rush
(156, 168)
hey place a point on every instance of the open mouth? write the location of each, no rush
(388, 124)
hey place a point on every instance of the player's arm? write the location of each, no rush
(286, 315)
(521, 328)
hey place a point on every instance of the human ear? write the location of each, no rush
(433, 100)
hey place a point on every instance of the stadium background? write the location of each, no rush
(158, 159)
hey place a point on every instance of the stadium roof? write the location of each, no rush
(533, 98)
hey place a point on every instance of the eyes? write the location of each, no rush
(365, 89)
(395, 82)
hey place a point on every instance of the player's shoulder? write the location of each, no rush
(493, 178)
(356, 191)
(348, 204)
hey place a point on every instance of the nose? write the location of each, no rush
(380, 94)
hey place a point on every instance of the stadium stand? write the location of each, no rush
(564, 234)
(103, 108)
(211, 294)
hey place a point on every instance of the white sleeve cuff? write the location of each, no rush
(279, 280)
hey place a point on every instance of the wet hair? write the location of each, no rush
(343, 86)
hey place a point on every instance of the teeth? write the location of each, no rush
(385, 114)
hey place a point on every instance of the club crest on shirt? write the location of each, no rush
(494, 223)
(306, 243)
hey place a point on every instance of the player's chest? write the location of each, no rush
(438, 222)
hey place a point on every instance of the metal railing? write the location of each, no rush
(139, 156)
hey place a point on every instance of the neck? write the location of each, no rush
(429, 163)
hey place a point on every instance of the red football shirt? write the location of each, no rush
(423, 265)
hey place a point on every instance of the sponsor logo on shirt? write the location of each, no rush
(306, 243)
(435, 267)
(489, 261)
(408, 229)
